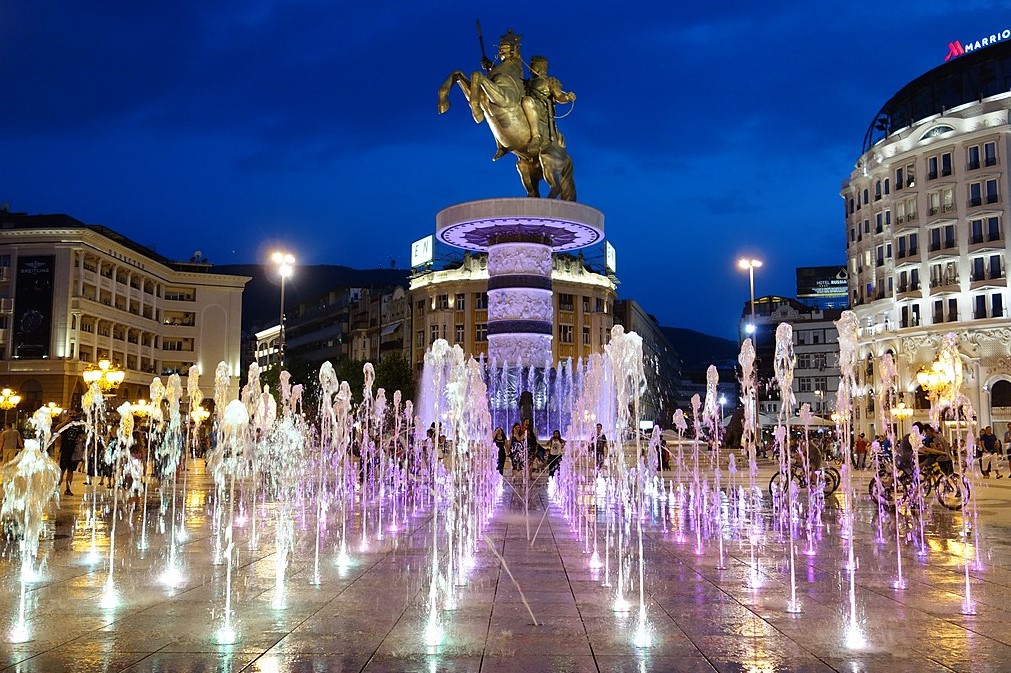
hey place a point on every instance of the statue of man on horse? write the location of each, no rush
(520, 114)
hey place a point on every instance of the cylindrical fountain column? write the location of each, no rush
(520, 306)
(520, 236)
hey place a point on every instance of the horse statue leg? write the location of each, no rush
(530, 175)
(556, 166)
(457, 77)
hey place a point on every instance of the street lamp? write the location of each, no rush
(723, 403)
(107, 375)
(285, 262)
(900, 412)
(8, 400)
(53, 409)
(750, 265)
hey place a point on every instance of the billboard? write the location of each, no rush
(610, 258)
(822, 282)
(421, 251)
(33, 306)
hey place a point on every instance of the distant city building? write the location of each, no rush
(927, 211)
(815, 344)
(823, 287)
(73, 294)
(452, 304)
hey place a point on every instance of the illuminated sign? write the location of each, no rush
(822, 281)
(957, 48)
(421, 251)
(609, 257)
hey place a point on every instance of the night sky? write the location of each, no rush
(703, 131)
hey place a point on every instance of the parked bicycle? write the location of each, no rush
(829, 477)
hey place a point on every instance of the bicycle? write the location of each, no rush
(951, 490)
(830, 479)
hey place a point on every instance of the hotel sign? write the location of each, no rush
(958, 48)
(610, 258)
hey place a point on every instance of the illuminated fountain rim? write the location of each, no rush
(566, 224)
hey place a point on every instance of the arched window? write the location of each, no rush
(936, 131)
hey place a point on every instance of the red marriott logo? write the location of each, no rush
(954, 50)
(958, 48)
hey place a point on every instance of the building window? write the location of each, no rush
(992, 196)
(932, 168)
(586, 336)
(442, 301)
(481, 300)
(435, 334)
(946, 164)
(566, 302)
(598, 305)
(586, 304)
(972, 158)
(975, 194)
(419, 338)
(419, 307)
(459, 334)
(803, 361)
(460, 302)
(565, 334)
(804, 384)
(481, 332)
(990, 153)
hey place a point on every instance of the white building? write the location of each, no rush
(927, 212)
(73, 294)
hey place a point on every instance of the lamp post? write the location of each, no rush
(285, 262)
(723, 404)
(8, 400)
(900, 413)
(53, 409)
(107, 375)
(750, 265)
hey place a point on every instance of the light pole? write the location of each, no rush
(106, 375)
(900, 412)
(723, 405)
(750, 265)
(8, 400)
(285, 262)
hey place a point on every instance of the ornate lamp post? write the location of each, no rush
(8, 400)
(900, 413)
(107, 375)
(53, 409)
(285, 262)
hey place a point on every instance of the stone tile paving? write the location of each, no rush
(371, 616)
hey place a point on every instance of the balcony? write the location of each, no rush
(910, 291)
(947, 285)
(984, 281)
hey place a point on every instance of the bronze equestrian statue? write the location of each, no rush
(520, 114)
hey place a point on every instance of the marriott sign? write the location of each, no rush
(957, 48)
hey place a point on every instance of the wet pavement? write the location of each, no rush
(371, 615)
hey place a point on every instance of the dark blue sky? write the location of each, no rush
(703, 131)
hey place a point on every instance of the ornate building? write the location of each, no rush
(73, 294)
(927, 210)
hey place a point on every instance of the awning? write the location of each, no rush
(390, 329)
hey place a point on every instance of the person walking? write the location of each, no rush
(555, 448)
(499, 439)
(860, 460)
(11, 443)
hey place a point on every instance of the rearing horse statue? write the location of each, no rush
(497, 97)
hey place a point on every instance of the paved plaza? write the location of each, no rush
(371, 616)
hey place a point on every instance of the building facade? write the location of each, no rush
(73, 294)
(815, 347)
(452, 304)
(927, 210)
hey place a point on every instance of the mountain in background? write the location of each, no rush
(700, 350)
(261, 299)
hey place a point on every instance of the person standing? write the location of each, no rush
(600, 445)
(499, 439)
(555, 448)
(11, 443)
(860, 460)
(70, 437)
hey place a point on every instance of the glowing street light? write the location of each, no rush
(53, 409)
(8, 400)
(900, 413)
(285, 262)
(107, 375)
(750, 265)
